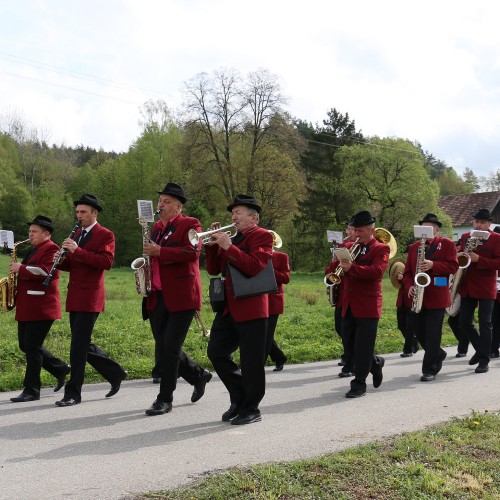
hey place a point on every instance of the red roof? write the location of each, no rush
(461, 207)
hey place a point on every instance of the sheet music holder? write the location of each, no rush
(145, 210)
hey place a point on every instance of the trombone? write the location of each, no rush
(195, 237)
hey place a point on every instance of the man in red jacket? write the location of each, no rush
(36, 309)
(87, 257)
(362, 303)
(281, 267)
(175, 297)
(243, 323)
(478, 289)
(440, 260)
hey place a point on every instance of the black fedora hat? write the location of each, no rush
(483, 214)
(88, 199)
(244, 199)
(172, 189)
(363, 218)
(431, 218)
(42, 221)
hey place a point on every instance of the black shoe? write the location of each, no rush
(406, 354)
(199, 387)
(230, 413)
(344, 374)
(474, 360)
(159, 408)
(115, 386)
(378, 376)
(482, 367)
(427, 377)
(156, 380)
(24, 397)
(248, 418)
(341, 363)
(61, 379)
(278, 367)
(67, 402)
(439, 363)
(460, 355)
(355, 393)
(495, 354)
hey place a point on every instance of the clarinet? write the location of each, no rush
(62, 253)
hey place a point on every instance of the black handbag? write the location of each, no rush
(249, 286)
(217, 294)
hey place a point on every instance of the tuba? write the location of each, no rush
(8, 285)
(142, 265)
(476, 238)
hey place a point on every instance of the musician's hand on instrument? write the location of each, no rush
(214, 225)
(474, 257)
(70, 245)
(400, 277)
(426, 265)
(152, 249)
(345, 265)
(411, 291)
(222, 239)
(14, 267)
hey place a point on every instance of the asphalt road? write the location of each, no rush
(108, 449)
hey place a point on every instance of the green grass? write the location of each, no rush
(459, 460)
(305, 332)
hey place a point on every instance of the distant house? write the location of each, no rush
(461, 207)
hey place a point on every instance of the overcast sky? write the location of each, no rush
(423, 70)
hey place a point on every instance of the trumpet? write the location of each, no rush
(195, 237)
(335, 278)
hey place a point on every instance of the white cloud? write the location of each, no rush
(427, 70)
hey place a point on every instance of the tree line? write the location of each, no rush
(232, 135)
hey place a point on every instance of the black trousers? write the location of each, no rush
(31, 335)
(480, 340)
(495, 321)
(463, 340)
(359, 335)
(429, 330)
(405, 326)
(82, 350)
(169, 331)
(246, 386)
(272, 348)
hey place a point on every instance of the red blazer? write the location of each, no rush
(480, 279)
(179, 266)
(445, 263)
(35, 302)
(250, 256)
(281, 266)
(86, 268)
(362, 284)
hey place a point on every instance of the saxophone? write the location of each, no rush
(421, 280)
(142, 265)
(8, 285)
(463, 263)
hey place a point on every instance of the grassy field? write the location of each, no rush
(460, 460)
(305, 332)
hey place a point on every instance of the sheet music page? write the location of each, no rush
(37, 271)
(145, 210)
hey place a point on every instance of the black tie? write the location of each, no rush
(82, 235)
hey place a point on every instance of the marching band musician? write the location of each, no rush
(362, 304)
(87, 258)
(36, 309)
(439, 262)
(337, 299)
(175, 297)
(281, 265)
(243, 323)
(478, 289)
